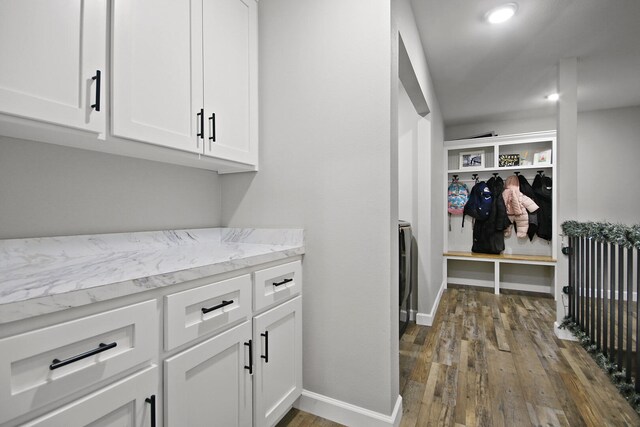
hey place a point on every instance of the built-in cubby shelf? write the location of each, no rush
(524, 265)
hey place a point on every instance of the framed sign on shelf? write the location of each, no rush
(542, 158)
(472, 159)
(506, 160)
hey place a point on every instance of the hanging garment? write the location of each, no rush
(488, 236)
(527, 190)
(542, 186)
(479, 204)
(518, 205)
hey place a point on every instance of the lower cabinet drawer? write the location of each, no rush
(277, 284)
(197, 312)
(130, 402)
(45, 365)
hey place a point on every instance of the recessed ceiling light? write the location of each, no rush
(553, 97)
(502, 13)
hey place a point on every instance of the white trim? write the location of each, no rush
(346, 413)
(563, 334)
(427, 319)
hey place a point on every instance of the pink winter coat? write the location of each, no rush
(517, 207)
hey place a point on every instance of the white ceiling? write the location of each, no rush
(494, 72)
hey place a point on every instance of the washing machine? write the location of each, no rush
(404, 246)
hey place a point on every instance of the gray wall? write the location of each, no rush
(608, 156)
(429, 186)
(49, 190)
(325, 165)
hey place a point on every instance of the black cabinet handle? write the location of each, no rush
(215, 307)
(250, 367)
(200, 115)
(97, 78)
(57, 363)
(283, 282)
(266, 347)
(212, 119)
(152, 401)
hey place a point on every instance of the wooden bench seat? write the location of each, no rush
(501, 257)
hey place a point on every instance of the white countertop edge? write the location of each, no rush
(19, 310)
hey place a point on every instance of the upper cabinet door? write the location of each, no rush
(157, 72)
(51, 50)
(230, 79)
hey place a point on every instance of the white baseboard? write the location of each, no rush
(346, 413)
(563, 334)
(427, 319)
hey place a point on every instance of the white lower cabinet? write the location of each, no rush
(127, 403)
(210, 383)
(224, 364)
(40, 367)
(278, 362)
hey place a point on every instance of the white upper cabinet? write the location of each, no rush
(185, 75)
(230, 79)
(157, 72)
(52, 54)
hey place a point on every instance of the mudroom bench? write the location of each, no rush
(502, 276)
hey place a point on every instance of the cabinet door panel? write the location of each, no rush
(278, 379)
(118, 405)
(230, 78)
(50, 51)
(208, 384)
(157, 72)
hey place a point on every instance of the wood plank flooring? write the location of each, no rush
(493, 360)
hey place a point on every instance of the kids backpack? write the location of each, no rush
(457, 196)
(479, 204)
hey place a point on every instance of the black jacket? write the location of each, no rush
(488, 235)
(527, 190)
(542, 186)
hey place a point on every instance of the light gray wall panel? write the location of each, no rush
(49, 190)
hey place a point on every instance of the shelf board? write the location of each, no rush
(501, 257)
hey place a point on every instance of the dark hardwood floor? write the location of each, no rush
(494, 361)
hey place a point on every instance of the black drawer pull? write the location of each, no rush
(200, 116)
(152, 401)
(250, 367)
(266, 347)
(283, 282)
(212, 119)
(215, 307)
(57, 363)
(97, 78)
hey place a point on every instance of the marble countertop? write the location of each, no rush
(44, 275)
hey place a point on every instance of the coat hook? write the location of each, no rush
(516, 173)
(541, 173)
(455, 177)
(495, 174)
